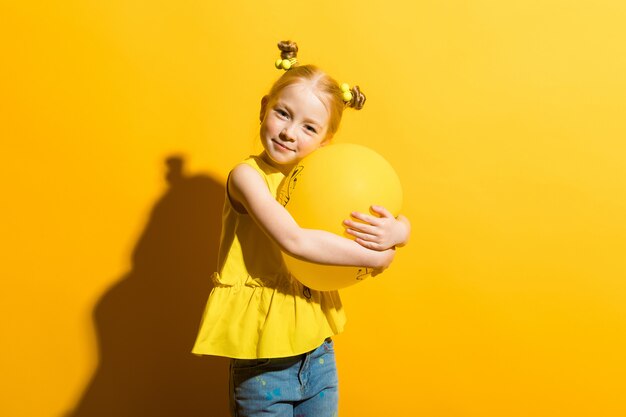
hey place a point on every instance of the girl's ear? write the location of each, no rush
(264, 102)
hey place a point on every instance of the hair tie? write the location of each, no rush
(285, 63)
(345, 92)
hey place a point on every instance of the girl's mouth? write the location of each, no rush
(281, 146)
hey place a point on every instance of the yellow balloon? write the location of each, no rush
(323, 189)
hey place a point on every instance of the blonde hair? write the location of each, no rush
(329, 90)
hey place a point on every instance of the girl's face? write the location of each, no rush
(293, 125)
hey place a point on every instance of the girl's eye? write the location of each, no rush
(310, 129)
(281, 112)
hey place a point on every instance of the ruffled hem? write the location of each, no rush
(250, 320)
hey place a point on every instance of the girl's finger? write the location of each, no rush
(366, 244)
(361, 235)
(382, 211)
(361, 227)
(365, 217)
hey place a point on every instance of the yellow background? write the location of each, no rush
(504, 119)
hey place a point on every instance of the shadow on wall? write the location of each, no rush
(146, 324)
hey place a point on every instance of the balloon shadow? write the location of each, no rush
(147, 322)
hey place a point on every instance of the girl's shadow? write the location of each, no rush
(147, 322)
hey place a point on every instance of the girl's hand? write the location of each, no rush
(378, 232)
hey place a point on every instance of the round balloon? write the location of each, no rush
(323, 189)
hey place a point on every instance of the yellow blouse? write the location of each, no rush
(256, 309)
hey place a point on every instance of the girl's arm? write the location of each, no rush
(379, 232)
(247, 188)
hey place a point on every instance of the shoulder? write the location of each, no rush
(245, 183)
(243, 174)
(250, 165)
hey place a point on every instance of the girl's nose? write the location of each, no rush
(286, 134)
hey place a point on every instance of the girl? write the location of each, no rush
(276, 330)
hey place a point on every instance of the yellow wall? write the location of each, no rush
(504, 119)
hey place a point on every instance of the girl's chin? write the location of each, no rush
(281, 163)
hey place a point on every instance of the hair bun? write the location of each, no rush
(288, 49)
(358, 98)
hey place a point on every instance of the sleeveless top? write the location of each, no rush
(256, 309)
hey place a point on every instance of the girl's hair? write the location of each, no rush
(330, 91)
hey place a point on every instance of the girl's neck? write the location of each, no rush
(285, 169)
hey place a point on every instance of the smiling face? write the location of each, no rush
(293, 124)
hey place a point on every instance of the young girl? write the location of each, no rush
(276, 330)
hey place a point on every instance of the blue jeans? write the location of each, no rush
(298, 386)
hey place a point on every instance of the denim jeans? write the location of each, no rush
(298, 386)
